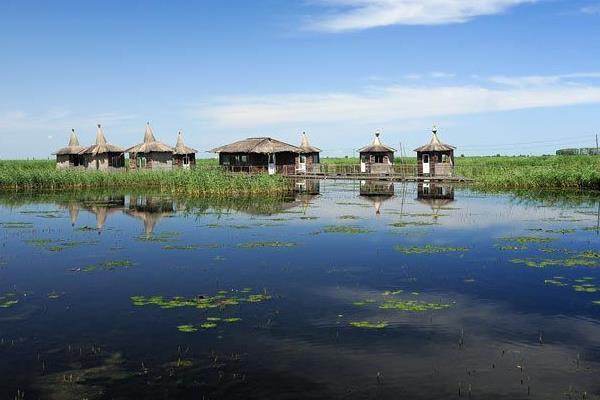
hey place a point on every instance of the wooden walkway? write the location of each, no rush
(377, 177)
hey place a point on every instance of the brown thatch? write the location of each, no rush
(377, 146)
(435, 144)
(181, 148)
(306, 147)
(73, 148)
(150, 145)
(260, 145)
(101, 146)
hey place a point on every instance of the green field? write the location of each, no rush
(519, 172)
(204, 180)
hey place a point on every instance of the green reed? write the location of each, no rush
(205, 179)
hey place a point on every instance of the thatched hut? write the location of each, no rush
(308, 160)
(435, 158)
(183, 156)
(103, 156)
(257, 155)
(151, 154)
(70, 157)
(377, 158)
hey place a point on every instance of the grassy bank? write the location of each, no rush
(42, 175)
(520, 172)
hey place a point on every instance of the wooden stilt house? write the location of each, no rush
(435, 158)
(377, 158)
(151, 154)
(70, 157)
(308, 160)
(183, 156)
(260, 154)
(103, 156)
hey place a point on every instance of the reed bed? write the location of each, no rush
(204, 180)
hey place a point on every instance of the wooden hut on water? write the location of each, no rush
(435, 158)
(103, 156)
(258, 154)
(151, 154)
(377, 158)
(70, 157)
(308, 160)
(183, 156)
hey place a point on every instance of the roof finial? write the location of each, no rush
(377, 133)
(434, 129)
(98, 125)
(73, 130)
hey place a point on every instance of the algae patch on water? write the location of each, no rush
(429, 249)
(527, 239)
(275, 244)
(219, 300)
(412, 305)
(344, 229)
(369, 325)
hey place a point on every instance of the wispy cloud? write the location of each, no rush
(349, 15)
(402, 102)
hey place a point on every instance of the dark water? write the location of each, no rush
(482, 290)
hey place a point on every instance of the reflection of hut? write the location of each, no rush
(435, 158)
(151, 154)
(435, 195)
(103, 156)
(308, 186)
(377, 158)
(308, 160)
(150, 210)
(258, 154)
(70, 157)
(73, 212)
(184, 156)
(103, 207)
(377, 192)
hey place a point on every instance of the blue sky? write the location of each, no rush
(496, 76)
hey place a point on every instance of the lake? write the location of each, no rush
(343, 290)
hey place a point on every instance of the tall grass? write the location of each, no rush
(204, 180)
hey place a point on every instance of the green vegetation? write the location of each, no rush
(219, 300)
(554, 262)
(412, 305)
(527, 239)
(204, 180)
(348, 230)
(429, 249)
(8, 299)
(369, 325)
(256, 245)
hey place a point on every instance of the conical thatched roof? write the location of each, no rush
(376, 146)
(306, 147)
(101, 145)
(72, 148)
(435, 144)
(262, 145)
(181, 148)
(150, 144)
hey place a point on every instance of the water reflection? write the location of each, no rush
(150, 210)
(377, 192)
(436, 196)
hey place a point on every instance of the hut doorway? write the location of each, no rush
(301, 163)
(186, 162)
(425, 163)
(271, 167)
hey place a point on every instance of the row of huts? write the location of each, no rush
(251, 155)
(150, 154)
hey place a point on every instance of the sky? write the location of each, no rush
(495, 76)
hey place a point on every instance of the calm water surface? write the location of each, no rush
(344, 291)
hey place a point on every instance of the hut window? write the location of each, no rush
(445, 158)
(302, 158)
(244, 158)
(141, 162)
(386, 160)
(186, 160)
(114, 161)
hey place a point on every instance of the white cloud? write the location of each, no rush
(351, 15)
(402, 102)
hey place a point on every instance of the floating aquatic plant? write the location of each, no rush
(392, 292)
(510, 247)
(255, 245)
(553, 262)
(588, 288)
(348, 230)
(16, 225)
(110, 265)
(8, 299)
(554, 282)
(528, 239)
(187, 328)
(411, 223)
(369, 325)
(412, 305)
(53, 295)
(428, 249)
(349, 217)
(208, 325)
(181, 247)
(219, 300)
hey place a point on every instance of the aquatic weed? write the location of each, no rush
(429, 249)
(369, 325)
